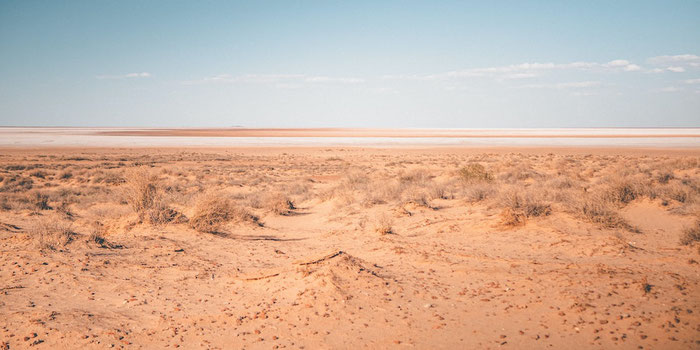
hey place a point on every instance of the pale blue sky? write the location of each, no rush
(355, 63)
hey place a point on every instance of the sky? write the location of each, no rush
(396, 64)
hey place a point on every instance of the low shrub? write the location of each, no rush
(212, 212)
(52, 233)
(278, 203)
(475, 172)
(521, 205)
(598, 210)
(383, 225)
(691, 234)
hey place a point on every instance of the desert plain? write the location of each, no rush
(349, 247)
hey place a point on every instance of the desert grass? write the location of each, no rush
(51, 233)
(383, 224)
(160, 188)
(145, 193)
(597, 209)
(278, 203)
(475, 172)
(691, 234)
(141, 190)
(519, 205)
(213, 211)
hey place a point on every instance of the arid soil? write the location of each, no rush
(349, 248)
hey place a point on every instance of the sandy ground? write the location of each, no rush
(384, 248)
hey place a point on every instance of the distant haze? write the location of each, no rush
(397, 64)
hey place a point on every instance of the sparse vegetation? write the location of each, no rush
(40, 201)
(141, 190)
(51, 233)
(623, 191)
(160, 214)
(519, 206)
(279, 204)
(383, 225)
(691, 234)
(519, 187)
(16, 183)
(212, 212)
(144, 192)
(597, 210)
(475, 172)
(479, 192)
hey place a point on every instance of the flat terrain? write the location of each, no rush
(410, 133)
(329, 247)
(53, 137)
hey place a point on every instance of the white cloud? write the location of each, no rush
(527, 70)
(693, 81)
(125, 76)
(520, 71)
(324, 79)
(625, 65)
(617, 63)
(670, 89)
(383, 91)
(279, 80)
(583, 93)
(288, 86)
(675, 69)
(687, 58)
(677, 63)
(563, 86)
(519, 76)
(138, 75)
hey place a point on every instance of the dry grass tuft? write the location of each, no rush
(278, 203)
(417, 196)
(144, 193)
(38, 174)
(40, 201)
(65, 175)
(98, 233)
(691, 234)
(52, 233)
(512, 217)
(475, 172)
(212, 212)
(479, 192)
(141, 190)
(383, 225)
(598, 210)
(161, 214)
(623, 191)
(15, 183)
(519, 206)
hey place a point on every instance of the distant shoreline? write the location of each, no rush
(349, 137)
(373, 132)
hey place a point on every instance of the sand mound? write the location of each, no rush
(651, 217)
(338, 264)
(335, 274)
